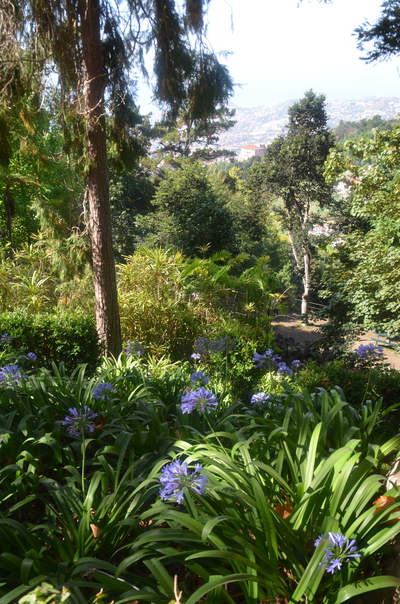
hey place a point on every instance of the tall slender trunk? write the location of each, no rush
(303, 263)
(105, 283)
(305, 298)
(294, 250)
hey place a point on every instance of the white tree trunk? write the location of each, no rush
(305, 298)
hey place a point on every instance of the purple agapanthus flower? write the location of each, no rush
(264, 361)
(369, 352)
(284, 369)
(31, 356)
(204, 346)
(176, 476)
(196, 356)
(80, 420)
(296, 364)
(5, 337)
(11, 375)
(223, 344)
(261, 360)
(134, 348)
(340, 550)
(259, 398)
(199, 378)
(201, 399)
(103, 391)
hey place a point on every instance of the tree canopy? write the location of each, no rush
(189, 215)
(384, 34)
(92, 47)
(361, 277)
(292, 170)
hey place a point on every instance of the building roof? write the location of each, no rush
(253, 147)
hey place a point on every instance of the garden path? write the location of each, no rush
(291, 326)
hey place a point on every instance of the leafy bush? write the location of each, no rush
(189, 214)
(70, 338)
(359, 382)
(154, 304)
(168, 301)
(232, 367)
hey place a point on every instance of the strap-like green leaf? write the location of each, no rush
(361, 587)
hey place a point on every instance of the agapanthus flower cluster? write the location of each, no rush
(270, 360)
(259, 398)
(31, 356)
(134, 348)
(199, 378)
(266, 360)
(340, 550)
(5, 337)
(284, 369)
(11, 375)
(104, 391)
(176, 476)
(369, 352)
(201, 399)
(79, 421)
(205, 347)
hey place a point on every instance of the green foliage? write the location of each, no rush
(233, 371)
(45, 594)
(383, 35)
(40, 186)
(198, 219)
(47, 276)
(203, 114)
(83, 513)
(258, 231)
(291, 171)
(70, 338)
(130, 195)
(168, 301)
(365, 127)
(269, 496)
(358, 381)
(154, 303)
(360, 273)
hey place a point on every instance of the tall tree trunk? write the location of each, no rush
(105, 283)
(305, 298)
(304, 268)
(294, 250)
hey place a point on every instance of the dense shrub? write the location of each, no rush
(358, 382)
(232, 366)
(70, 338)
(154, 304)
(167, 301)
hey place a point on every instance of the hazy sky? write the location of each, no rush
(281, 49)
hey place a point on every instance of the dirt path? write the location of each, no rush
(290, 326)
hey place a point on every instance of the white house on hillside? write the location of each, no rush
(251, 150)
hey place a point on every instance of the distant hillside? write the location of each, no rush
(257, 125)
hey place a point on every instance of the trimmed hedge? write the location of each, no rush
(70, 338)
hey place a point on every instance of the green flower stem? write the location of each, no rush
(217, 437)
(83, 451)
